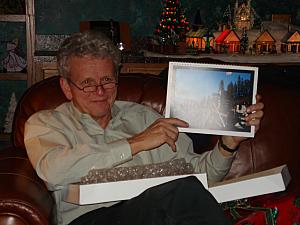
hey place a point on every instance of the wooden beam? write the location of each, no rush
(30, 40)
(12, 18)
(13, 76)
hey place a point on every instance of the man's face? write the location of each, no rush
(89, 71)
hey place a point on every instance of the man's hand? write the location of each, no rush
(255, 114)
(163, 130)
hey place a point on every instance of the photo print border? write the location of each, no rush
(212, 98)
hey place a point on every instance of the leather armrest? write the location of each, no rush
(24, 198)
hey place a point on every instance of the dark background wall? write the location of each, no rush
(63, 16)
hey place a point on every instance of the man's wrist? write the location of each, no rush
(227, 148)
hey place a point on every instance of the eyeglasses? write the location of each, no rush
(93, 88)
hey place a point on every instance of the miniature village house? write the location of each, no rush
(243, 16)
(200, 39)
(291, 43)
(265, 43)
(285, 34)
(228, 42)
(266, 37)
(195, 39)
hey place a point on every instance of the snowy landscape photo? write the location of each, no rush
(211, 98)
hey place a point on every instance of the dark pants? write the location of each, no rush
(180, 202)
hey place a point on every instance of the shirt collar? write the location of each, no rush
(85, 121)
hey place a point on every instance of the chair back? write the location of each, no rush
(45, 94)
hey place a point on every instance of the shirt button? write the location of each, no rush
(122, 155)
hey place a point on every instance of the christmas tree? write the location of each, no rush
(10, 114)
(244, 41)
(173, 23)
(227, 18)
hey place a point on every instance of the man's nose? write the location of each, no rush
(100, 90)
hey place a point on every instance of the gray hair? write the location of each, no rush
(87, 43)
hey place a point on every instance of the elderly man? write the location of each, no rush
(94, 130)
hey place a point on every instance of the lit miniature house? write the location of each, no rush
(228, 42)
(265, 43)
(243, 16)
(195, 39)
(291, 43)
(200, 39)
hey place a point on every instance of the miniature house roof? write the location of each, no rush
(227, 36)
(291, 37)
(294, 37)
(265, 36)
(201, 32)
(209, 34)
(222, 36)
(280, 31)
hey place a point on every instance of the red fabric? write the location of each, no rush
(273, 209)
(253, 218)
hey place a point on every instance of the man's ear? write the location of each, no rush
(65, 88)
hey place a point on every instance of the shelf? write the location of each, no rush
(147, 68)
(12, 18)
(13, 76)
(29, 20)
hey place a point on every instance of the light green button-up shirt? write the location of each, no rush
(64, 144)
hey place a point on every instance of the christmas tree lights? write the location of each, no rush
(173, 23)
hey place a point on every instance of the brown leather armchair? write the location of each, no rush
(24, 199)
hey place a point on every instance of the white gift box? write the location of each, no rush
(260, 183)
(116, 191)
(264, 182)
